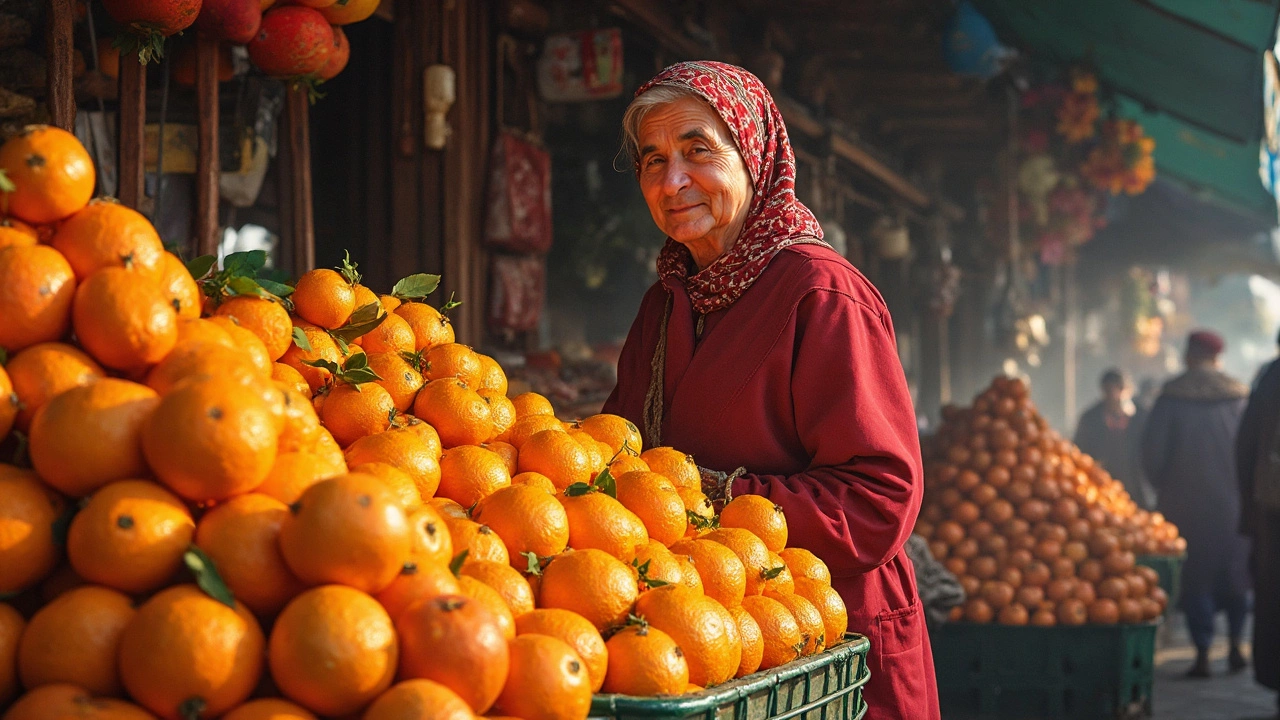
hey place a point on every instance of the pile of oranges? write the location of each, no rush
(1036, 531)
(240, 499)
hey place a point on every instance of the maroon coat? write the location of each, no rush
(799, 381)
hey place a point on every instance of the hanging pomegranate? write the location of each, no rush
(292, 41)
(150, 22)
(338, 57)
(233, 21)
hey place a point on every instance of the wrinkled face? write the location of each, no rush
(692, 176)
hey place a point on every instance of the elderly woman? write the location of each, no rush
(761, 347)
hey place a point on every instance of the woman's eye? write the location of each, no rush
(699, 151)
(651, 162)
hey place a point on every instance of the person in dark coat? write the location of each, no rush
(1109, 433)
(1258, 470)
(1188, 451)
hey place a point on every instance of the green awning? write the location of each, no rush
(1189, 70)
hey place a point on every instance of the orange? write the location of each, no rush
(211, 439)
(202, 359)
(301, 429)
(456, 642)
(501, 412)
(322, 348)
(655, 501)
(759, 516)
(401, 484)
(263, 317)
(459, 415)
(241, 537)
(492, 378)
(778, 628)
(722, 572)
(74, 639)
(423, 432)
(660, 564)
(352, 12)
(123, 321)
(525, 428)
(556, 455)
(364, 296)
(699, 504)
(679, 468)
(351, 412)
(480, 541)
(835, 616)
(528, 519)
(507, 452)
(645, 661)
(453, 360)
(192, 330)
(509, 584)
(393, 335)
(625, 463)
(532, 403)
(324, 297)
(293, 472)
(68, 701)
(417, 582)
(449, 509)
(750, 550)
(403, 450)
(400, 379)
(601, 522)
(614, 431)
(469, 473)
(37, 288)
(430, 328)
(247, 342)
(282, 373)
(28, 510)
(778, 578)
(107, 234)
(15, 232)
(695, 622)
(130, 536)
(178, 286)
(812, 627)
(333, 649)
(269, 709)
(11, 628)
(804, 564)
(596, 458)
(88, 436)
(183, 645)
(349, 530)
(44, 370)
(389, 302)
(546, 680)
(51, 171)
(9, 404)
(492, 601)
(751, 638)
(430, 541)
(574, 630)
(689, 575)
(536, 480)
(418, 700)
(591, 583)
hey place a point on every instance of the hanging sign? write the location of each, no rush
(581, 66)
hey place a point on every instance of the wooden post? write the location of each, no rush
(62, 100)
(207, 163)
(133, 116)
(1070, 340)
(301, 221)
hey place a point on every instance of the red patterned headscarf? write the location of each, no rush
(776, 219)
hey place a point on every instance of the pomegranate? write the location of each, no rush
(338, 57)
(292, 41)
(233, 21)
(150, 21)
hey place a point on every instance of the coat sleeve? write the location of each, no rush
(856, 503)
(1156, 437)
(1250, 436)
(633, 361)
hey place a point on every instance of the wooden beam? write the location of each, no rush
(940, 123)
(58, 49)
(132, 119)
(208, 166)
(301, 220)
(655, 20)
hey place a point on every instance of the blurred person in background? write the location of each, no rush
(1110, 433)
(1258, 470)
(1189, 454)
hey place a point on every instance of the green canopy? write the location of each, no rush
(1190, 71)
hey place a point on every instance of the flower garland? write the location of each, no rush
(1122, 161)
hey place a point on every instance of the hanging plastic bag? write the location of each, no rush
(516, 292)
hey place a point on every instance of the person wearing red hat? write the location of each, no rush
(1188, 453)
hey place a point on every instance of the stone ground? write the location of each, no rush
(1222, 697)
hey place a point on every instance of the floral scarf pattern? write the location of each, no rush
(776, 218)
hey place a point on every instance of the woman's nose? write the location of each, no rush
(676, 178)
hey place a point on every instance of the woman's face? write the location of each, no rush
(693, 177)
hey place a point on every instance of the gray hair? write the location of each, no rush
(641, 106)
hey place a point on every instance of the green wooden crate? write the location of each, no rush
(1087, 672)
(1169, 568)
(827, 686)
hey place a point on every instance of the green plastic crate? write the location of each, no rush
(827, 686)
(1086, 672)
(1169, 568)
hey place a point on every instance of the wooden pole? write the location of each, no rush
(133, 116)
(301, 220)
(62, 100)
(207, 164)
